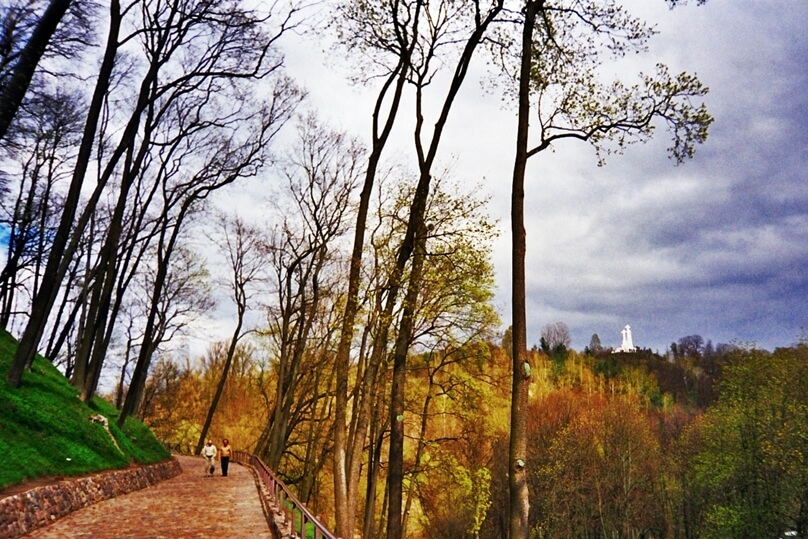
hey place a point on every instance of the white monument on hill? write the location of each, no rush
(627, 345)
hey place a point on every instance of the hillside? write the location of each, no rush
(46, 430)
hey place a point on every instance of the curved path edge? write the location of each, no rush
(279, 526)
(40, 506)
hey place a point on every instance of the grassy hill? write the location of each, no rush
(46, 431)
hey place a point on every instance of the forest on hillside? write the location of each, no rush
(365, 359)
(702, 442)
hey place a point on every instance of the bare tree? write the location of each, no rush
(243, 246)
(55, 269)
(403, 39)
(178, 91)
(24, 40)
(463, 24)
(47, 131)
(132, 336)
(184, 295)
(322, 172)
(70, 316)
(230, 159)
(357, 35)
(186, 116)
(557, 334)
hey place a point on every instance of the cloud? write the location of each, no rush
(715, 246)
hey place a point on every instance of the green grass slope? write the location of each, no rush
(45, 428)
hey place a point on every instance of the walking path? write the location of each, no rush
(190, 505)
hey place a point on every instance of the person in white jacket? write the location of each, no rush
(209, 452)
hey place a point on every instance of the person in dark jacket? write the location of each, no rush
(225, 452)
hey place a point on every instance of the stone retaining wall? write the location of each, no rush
(22, 513)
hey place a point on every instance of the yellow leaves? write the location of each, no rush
(454, 498)
(599, 448)
(596, 460)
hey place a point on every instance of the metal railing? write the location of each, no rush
(302, 522)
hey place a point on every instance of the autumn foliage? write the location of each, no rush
(611, 454)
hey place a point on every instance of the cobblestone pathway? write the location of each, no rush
(187, 506)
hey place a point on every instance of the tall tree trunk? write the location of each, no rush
(297, 320)
(147, 348)
(58, 338)
(317, 448)
(102, 315)
(374, 465)
(415, 242)
(13, 93)
(231, 352)
(85, 340)
(346, 470)
(122, 378)
(419, 452)
(395, 475)
(517, 454)
(55, 268)
(151, 333)
(367, 400)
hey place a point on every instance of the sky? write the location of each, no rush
(717, 246)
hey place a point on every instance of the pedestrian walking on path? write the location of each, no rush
(176, 508)
(209, 453)
(224, 456)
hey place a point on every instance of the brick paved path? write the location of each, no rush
(187, 506)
